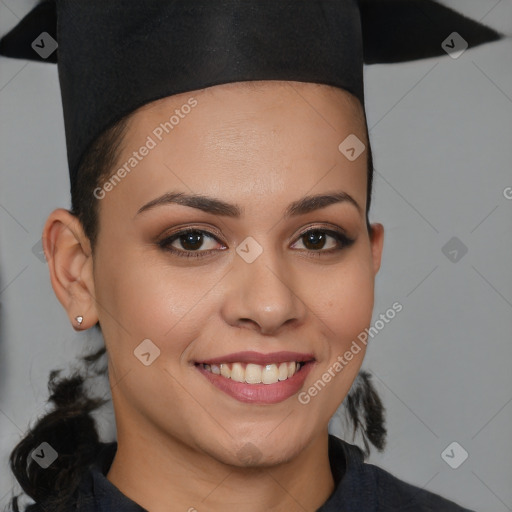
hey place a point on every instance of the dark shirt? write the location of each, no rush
(360, 487)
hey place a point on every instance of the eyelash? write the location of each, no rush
(343, 243)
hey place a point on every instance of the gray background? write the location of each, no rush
(441, 132)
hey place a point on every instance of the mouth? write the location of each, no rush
(258, 378)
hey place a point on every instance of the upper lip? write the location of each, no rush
(249, 356)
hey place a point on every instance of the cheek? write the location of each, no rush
(345, 300)
(348, 299)
(344, 304)
(143, 297)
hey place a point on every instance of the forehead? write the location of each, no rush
(239, 111)
(260, 92)
(265, 138)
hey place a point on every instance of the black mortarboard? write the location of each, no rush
(115, 56)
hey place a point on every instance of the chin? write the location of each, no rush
(261, 450)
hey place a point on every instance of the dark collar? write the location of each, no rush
(354, 484)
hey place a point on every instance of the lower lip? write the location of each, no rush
(259, 393)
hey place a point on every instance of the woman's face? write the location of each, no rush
(247, 280)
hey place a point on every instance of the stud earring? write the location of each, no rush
(79, 320)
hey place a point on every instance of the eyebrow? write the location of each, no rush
(214, 206)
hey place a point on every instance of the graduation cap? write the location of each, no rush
(115, 56)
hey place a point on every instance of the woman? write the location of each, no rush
(219, 235)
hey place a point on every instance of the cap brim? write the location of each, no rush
(18, 42)
(393, 30)
(404, 30)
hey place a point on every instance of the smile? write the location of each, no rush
(258, 378)
(255, 373)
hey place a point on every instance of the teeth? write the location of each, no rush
(270, 374)
(225, 370)
(283, 371)
(255, 373)
(237, 372)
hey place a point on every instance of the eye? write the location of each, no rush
(316, 239)
(190, 240)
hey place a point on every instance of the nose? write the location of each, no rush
(262, 295)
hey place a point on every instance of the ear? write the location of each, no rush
(69, 256)
(377, 244)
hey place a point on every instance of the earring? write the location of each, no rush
(79, 320)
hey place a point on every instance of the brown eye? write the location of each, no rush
(188, 243)
(315, 240)
(191, 241)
